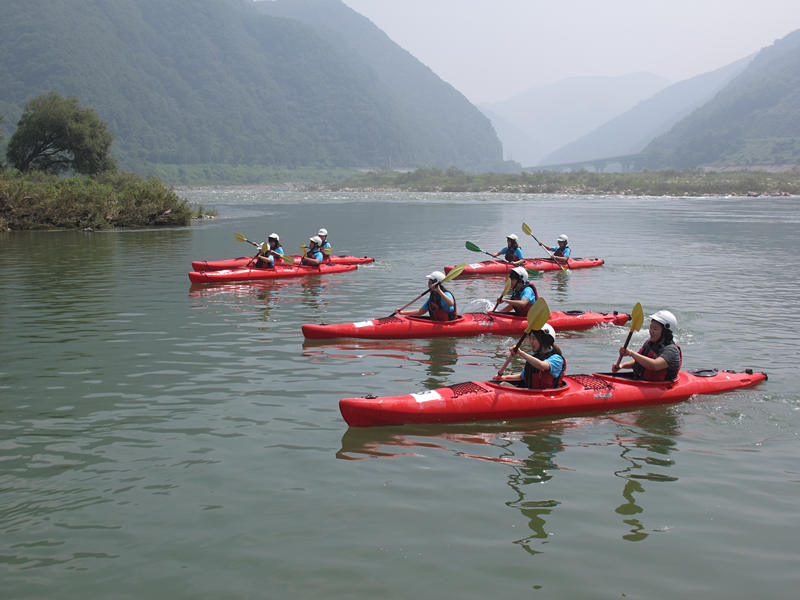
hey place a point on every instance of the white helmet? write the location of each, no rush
(522, 273)
(563, 238)
(548, 330)
(316, 239)
(322, 231)
(666, 318)
(436, 276)
(512, 236)
(274, 236)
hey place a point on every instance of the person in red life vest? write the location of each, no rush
(560, 252)
(313, 255)
(523, 292)
(441, 304)
(659, 359)
(545, 367)
(511, 252)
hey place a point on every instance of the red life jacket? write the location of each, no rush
(522, 312)
(438, 309)
(651, 351)
(535, 379)
(510, 257)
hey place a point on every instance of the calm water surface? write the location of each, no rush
(164, 440)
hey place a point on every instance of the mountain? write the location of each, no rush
(239, 82)
(541, 120)
(634, 129)
(754, 121)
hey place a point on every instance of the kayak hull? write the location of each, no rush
(487, 401)
(278, 272)
(468, 324)
(243, 261)
(500, 267)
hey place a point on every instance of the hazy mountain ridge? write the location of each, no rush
(541, 120)
(221, 81)
(630, 132)
(753, 121)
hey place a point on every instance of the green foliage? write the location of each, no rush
(754, 121)
(55, 134)
(200, 82)
(648, 183)
(41, 201)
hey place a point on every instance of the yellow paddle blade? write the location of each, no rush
(454, 272)
(526, 229)
(240, 237)
(637, 317)
(327, 250)
(537, 315)
(261, 247)
(287, 260)
(507, 287)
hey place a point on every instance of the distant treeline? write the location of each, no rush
(40, 201)
(647, 183)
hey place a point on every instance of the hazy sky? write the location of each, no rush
(491, 50)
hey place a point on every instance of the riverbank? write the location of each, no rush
(40, 201)
(649, 183)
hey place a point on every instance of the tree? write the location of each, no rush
(55, 134)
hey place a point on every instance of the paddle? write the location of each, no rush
(241, 238)
(527, 230)
(475, 248)
(506, 289)
(326, 251)
(454, 272)
(637, 317)
(537, 317)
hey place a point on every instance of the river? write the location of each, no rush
(167, 440)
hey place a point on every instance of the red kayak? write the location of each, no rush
(278, 272)
(488, 401)
(243, 261)
(467, 324)
(501, 267)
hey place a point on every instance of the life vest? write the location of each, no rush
(438, 309)
(650, 350)
(326, 257)
(518, 294)
(510, 253)
(560, 251)
(535, 379)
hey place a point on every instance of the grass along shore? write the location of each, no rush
(646, 183)
(41, 201)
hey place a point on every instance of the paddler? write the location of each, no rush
(323, 235)
(523, 292)
(561, 250)
(511, 252)
(440, 305)
(544, 366)
(659, 358)
(313, 255)
(266, 258)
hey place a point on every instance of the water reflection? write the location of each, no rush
(646, 438)
(439, 355)
(653, 430)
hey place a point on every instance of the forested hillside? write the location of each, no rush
(752, 122)
(224, 82)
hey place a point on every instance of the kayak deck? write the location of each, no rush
(468, 324)
(499, 267)
(244, 261)
(489, 401)
(277, 272)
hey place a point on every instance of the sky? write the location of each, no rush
(492, 50)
